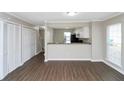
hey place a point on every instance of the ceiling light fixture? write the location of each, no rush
(71, 13)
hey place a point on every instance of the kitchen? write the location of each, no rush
(72, 41)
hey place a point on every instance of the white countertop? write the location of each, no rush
(69, 43)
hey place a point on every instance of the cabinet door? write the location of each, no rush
(84, 33)
(78, 32)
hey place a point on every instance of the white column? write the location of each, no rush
(1, 50)
(122, 49)
(45, 40)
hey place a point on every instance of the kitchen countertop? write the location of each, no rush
(70, 43)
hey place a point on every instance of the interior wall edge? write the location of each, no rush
(114, 67)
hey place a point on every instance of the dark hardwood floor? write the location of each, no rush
(36, 70)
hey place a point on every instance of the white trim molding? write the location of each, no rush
(69, 60)
(114, 67)
(45, 60)
(112, 16)
(38, 52)
(97, 60)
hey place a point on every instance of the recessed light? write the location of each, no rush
(71, 13)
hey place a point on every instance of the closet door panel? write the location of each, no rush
(28, 43)
(10, 47)
(5, 65)
(24, 44)
(13, 46)
(17, 42)
(1, 50)
(32, 43)
(26, 48)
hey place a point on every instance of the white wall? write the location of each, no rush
(39, 42)
(50, 34)
(97, 41)
(58, 35)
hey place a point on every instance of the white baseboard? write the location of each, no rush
(2, 77)
(45, 60)
(97, 60)
(114, 67)
(38, 52)
(69, 59)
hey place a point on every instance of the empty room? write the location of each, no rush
(62, 46)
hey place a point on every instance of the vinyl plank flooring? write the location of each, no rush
(36, 70)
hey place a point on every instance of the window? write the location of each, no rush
(114, 44)
(67, 37)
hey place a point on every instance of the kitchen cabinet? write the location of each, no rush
(82, 32)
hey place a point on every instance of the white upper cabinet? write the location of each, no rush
(82, 32)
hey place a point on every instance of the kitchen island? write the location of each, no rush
(73, 51)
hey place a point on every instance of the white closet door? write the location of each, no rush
(5, 65)
(25, 44)
(10, 47)
(28, 44)
(13, 46)
(1, 50)
(33, 44)
(17, 44)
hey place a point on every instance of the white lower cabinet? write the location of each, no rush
(82, 32)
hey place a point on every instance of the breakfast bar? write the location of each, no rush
(75, 51)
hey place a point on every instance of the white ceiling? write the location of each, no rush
(38, 18)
